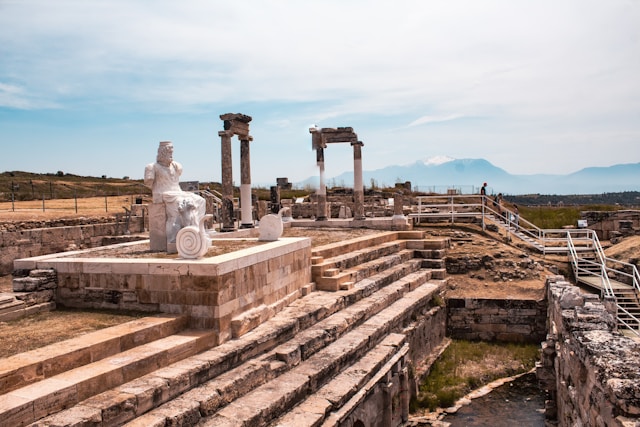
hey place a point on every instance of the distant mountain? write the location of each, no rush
(469, 174)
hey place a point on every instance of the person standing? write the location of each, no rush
(483, 193)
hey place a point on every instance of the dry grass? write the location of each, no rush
(63, 208)
(47, 328)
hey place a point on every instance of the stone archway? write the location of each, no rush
(320, 137)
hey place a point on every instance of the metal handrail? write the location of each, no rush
(634, 275)
(600, 266)
(548, 240)
(635, 330)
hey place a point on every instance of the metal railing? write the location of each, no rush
(586, 267)
(573, 242)
(632, 327)
(633, 277)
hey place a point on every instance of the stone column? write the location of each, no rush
(387, 398)
(227, 183)
(358, 188)
(274, 197)
(322, 191)
(405, 395)
(246, 217)
(398, 201)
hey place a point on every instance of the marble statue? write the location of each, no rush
(183, 209)
(271, 227)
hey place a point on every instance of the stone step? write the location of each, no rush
(340, 248)
(11, 305)
(6, 298)
(348, 389)
(30, 403)
(229, 399)
(25, 368)
(268, 401)
(235, 367)
(430, 253)
(344, 261)
(361, 271)
(433, 263)
(313, 339)
(26, 310)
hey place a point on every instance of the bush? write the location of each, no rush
(468, 365)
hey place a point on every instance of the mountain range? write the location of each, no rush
(467, 175)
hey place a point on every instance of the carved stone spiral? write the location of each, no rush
(190, 243)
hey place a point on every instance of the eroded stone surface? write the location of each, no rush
(591, 371)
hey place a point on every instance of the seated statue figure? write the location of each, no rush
(163, 177)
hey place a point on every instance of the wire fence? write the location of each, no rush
(85, 205)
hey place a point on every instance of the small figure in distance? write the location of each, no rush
(483, 193)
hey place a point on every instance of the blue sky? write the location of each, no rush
(90, 87)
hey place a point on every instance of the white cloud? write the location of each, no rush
(527, 72)
(435, 119)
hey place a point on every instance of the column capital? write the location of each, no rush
(225, 133)
(360, 143)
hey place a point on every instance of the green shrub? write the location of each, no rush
(448, 379)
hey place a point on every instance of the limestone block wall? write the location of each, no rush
(591, 371)
(230, 293)
(24, 242)
(386, 402)
(504, 320)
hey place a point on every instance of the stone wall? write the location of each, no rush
(612, 224)
(229, 293)
(591, 371)
(504, 320)
(23, 241)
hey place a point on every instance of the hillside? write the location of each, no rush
(34, 186)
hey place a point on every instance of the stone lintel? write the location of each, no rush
(237, 124)
(323, 136)
(337, 130)
(340, 139)
(236, 116)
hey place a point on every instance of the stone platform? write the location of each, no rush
(352, 355)
(227, 293)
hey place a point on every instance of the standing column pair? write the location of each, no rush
(236, 124)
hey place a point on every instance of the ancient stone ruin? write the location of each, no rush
(176, 217)
(284, 333)
(236, 124)
(320, 137)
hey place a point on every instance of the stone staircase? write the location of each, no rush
(32, 294)
(315, 363)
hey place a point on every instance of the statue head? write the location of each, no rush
(165, 153)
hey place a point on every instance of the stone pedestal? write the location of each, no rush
(398, 203)
(321, 214)
(358, 187)
(246, 213)
(157, 227)
(158, 230)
